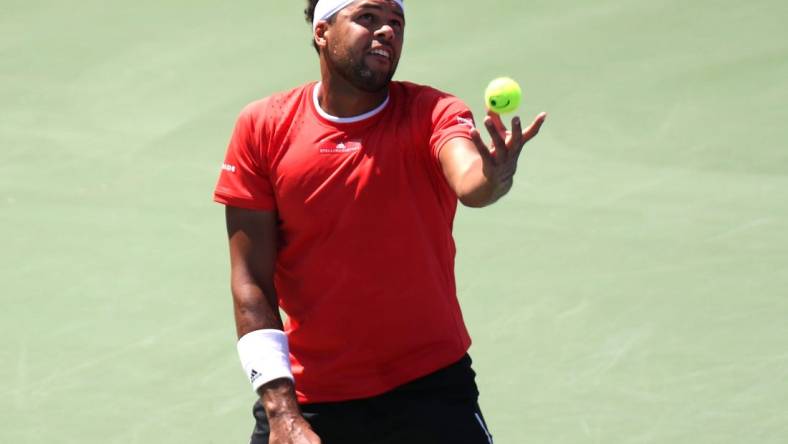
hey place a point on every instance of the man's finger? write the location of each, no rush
(533, 130)
(497, 139)
(517, 134)
(496, 118)
(476, 138)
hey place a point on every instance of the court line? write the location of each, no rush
(613, 198)
(754, 223)
(579, 308)
(63, 372)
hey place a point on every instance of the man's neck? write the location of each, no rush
(339, 98)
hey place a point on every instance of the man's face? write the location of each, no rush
(364, 43)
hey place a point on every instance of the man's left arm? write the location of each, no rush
(478, 174)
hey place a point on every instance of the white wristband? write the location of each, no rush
(265, 356)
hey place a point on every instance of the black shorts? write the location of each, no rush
(440, 408)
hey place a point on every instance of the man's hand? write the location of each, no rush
(500, 163)
(291, 429)
(284, 416)
(480, 176)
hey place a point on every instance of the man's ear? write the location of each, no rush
(320, 33)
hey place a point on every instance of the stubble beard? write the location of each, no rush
(356, 72)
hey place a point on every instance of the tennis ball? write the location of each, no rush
(503, 95)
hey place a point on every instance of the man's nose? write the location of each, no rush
(386, 31)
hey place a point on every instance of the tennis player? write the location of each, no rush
(340, 197)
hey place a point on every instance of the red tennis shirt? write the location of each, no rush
(365, 267)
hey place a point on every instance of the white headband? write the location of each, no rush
(325, 9)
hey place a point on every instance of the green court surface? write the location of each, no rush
(633, 287)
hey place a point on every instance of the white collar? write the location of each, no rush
(353, 119)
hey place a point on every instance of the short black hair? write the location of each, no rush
(309, 12)
(309, 16)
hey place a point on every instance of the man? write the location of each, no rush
(340, 197)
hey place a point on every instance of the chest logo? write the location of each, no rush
(349, 146)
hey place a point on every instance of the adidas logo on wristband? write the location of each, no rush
(266, 350)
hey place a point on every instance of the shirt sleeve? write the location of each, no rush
(244, 179)
(450, 118)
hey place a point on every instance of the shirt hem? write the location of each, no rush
(239, 202)
(411, 376)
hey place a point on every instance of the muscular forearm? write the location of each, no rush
(255, 308)
(476, 190)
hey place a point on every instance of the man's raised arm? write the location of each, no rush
(480, 175)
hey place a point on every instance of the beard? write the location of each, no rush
(355, 71)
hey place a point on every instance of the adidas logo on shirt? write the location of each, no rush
(467, 122)
(350, 146)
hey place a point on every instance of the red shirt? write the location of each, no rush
(365, 267)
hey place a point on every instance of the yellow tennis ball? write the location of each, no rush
(503, 95)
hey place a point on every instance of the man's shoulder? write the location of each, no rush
(425, 96)
(429, 104)
(277, 104)
(416, 91)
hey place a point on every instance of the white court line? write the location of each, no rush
(740, 228)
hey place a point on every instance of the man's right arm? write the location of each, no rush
(253, 248)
